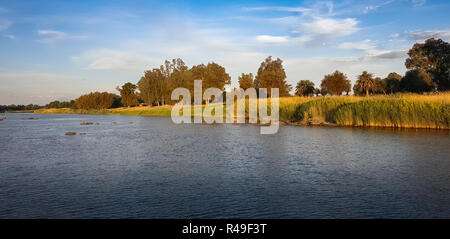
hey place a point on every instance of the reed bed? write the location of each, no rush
(398, 110)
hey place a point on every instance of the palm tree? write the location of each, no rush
(366, 82)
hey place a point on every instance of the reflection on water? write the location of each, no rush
(155, 169)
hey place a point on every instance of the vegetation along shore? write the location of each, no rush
(418, 99)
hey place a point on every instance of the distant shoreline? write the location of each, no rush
(399, 111)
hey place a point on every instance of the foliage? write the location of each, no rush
(335, 84)
(304, 88)
(95, 100)
(30, 107)
(64, 104)
(391, 83)
(393, 113)
(128, 94)
(417, 81)
(365, 83)
(433, 58)
(246, 81)
(157, 84)
(271, 74)
(399, 110)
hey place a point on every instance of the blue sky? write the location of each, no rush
(57, 50)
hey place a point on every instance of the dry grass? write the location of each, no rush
(398, 110)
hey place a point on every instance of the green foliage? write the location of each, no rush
(433, 58)
(417, 81)
(128, 94)
(64, 104)
(13, 108)
(365, 83)
(391, 83)
(304, 88)
(246, 81)
(212, 76)
(335, 84)
(157, 84)
(392, 113)
(401, 110)
(95, 100)
(316, 111)
(271, 74)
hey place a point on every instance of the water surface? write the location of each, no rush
(155, 169)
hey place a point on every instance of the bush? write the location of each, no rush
(96, 100)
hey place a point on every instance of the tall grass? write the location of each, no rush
(317, 111)
(399, 110)
(288, 106)
(398, 113)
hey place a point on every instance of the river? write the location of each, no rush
(148, 167)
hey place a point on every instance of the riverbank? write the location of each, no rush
(395, 111)
(141, 110)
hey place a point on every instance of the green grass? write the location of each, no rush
(130, 111)
(399, 110)
(397, 113)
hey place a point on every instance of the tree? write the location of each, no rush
(304, 88)
(176, 74)
(317, 91)
(128, 94)
(58, 104)
(433, 58)
(335, 84)
(246, 81)
(95, 100)
(157, 84)
(392, 83)
(417, 81)
(211, 75)
(151, 86)
(271, 74)
(379, 87)
(365, 83)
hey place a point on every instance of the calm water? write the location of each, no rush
(155, 169)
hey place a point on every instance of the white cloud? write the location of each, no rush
(370, 8)
(106, 59)
(282, 9)
(423, 35)
(366, 45)
(387, 54)
(331, 27)
(4, 24)
(272, 39)
(418, 3)
(10, 37)
(51, 36)
(371, 50)
(394, 35)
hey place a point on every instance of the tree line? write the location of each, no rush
(4, 108)
(428, 67)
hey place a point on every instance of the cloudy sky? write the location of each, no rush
(57, 50)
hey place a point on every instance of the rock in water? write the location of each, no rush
(71, 133)
(86, 123)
